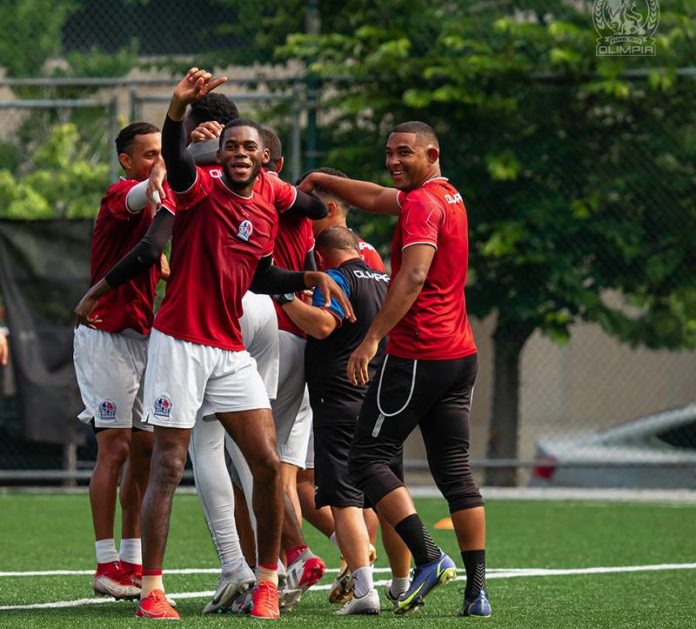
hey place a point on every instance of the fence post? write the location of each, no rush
(70, 464)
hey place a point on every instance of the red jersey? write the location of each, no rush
(371, 256)
(218, 239)
(436, 326)
(294, 241)
(116, 232)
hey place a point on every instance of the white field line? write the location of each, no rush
(502, 573)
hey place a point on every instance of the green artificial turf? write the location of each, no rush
(51, 532)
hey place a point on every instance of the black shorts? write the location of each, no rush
(333, 486)
(434, 395)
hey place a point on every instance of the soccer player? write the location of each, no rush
(428, 374)
(110, 353)
(399, 556)
(336, 402)
(222, 241)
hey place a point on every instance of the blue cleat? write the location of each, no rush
(425, 578)
(478, 607)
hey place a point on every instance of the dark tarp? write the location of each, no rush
(44, 271)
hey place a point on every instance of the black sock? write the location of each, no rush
(475, 566)
(418, 540)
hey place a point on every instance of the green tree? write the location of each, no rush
(579, 181)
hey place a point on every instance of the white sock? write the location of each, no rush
(106, 551)
(131, 551)
(334, 540)
(399, 585)
(362, 577)
(150, 583)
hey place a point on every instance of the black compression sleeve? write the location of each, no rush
(181, 169)
(310, 264)
(309, 205)
(146, 253)
(270, 280)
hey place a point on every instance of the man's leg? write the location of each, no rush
(113, 445)
(399, 558)
(446, 436)
(288, 476)
(166, 469)
(320, 519)
(254, 432)
(247, 536)
(133, 486)
(214, 488)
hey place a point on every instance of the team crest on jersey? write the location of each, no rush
(163, 406)
(107, 410)
(246, 229)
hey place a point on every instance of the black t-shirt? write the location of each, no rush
(332, 396)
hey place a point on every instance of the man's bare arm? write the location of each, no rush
(364, 195)
(317, 322)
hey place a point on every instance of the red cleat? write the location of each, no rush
(111, 580)
(264, 600)
(155, 605)
(134, 571)
(305, 571)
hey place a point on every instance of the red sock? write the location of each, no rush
(294, 552)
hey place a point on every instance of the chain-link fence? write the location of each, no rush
(580, 221)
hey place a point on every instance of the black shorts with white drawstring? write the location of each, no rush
(434, 395)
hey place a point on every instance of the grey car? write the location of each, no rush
(657, 451)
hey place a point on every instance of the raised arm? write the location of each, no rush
(364, 195)
(181, 169)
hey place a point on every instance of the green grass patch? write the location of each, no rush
(53, 531)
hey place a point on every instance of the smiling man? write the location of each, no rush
(428, 374)
(222, 241)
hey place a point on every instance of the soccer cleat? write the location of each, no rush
(156, 606)
(479, 606)
(305, 571)
(425, 578)
(110, 580)
(391, 597)
(367, 605)
(232, 588)
(264, 601)
(134, 571)
(342, 588)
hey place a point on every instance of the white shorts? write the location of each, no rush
(186, 380)
(309, 461)
(291, 410)
(109, 369)
(259, 325)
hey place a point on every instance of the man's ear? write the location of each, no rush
(281, 163)
(332, 207)
(433, 154)
(125, 160)
(218, 156)
(320, 260)
(266, 157)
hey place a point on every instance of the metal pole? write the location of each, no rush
(312, 27)
(69, 464)
(113, 132)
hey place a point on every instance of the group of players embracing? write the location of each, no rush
(283, 360)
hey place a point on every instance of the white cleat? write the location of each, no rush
(110, 580)
(367, 605)
(231, 592)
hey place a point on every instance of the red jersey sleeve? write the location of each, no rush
(421, 220)
(309, 236)
(284, 194)
(114, 201)
(196, 193)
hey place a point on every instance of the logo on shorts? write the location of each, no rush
(163, 406)
(246, 229)
(107, 410)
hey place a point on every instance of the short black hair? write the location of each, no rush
(127, 135)
(213, 107)
(275, 148)
(422, 129)
(337, 237)
(243, 122)
(341, 203)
